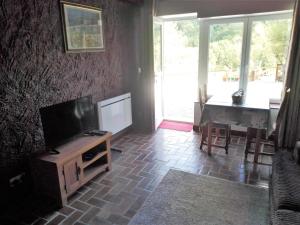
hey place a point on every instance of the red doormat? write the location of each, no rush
(180, 126)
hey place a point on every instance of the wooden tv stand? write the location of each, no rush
(59, 175)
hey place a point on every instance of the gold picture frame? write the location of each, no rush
(82, 28)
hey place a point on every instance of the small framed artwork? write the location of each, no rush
(82, 26)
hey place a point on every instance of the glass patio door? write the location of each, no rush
(244, 52)
(224, 57)
(269, 41)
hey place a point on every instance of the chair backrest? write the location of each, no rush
(201, 100)
(202, 96)
(205, 93)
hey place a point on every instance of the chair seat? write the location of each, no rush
(220, 125)
(217, 127)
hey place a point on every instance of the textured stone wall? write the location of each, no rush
(35, 71)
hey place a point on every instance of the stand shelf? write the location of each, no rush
(59, 176)
(98, 156)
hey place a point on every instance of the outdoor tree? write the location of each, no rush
(269, 44)
(225, 47)
(278, 37)
(269, 41)
(190, 32)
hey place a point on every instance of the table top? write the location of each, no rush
(253, 112)
(249, 102)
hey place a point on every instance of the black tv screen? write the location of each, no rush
(66, 120)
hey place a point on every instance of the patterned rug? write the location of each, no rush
(184, 198)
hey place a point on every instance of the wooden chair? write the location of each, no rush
(220, 130)
(259, 138)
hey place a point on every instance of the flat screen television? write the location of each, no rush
(66, 120)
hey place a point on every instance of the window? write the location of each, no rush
(224, 62)
(268, 50)
(244, 52)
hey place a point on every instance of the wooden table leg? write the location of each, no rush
(257, 145)
(209, 131)
(217, 135)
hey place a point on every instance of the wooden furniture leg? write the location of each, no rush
(209, 138)
(227, 140)
(257, 145)
(217, 135)
(248, 143)
(203, 136)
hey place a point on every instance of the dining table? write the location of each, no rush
(253, 112)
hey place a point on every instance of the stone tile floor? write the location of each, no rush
(115, 197)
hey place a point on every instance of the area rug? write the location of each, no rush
(180, 126)
(187, 199)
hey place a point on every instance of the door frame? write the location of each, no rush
(159, 21)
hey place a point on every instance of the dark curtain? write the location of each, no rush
(288, 119)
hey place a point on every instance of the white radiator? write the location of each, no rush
(115, 113)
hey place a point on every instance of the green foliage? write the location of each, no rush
(190, 32)
(269, 43)
(229, 31)
(278, 37)
(157, 47)
(225, 46)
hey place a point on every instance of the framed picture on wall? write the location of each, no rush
(82, 27)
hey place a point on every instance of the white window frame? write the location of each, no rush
(247, 21)
(160, 22)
